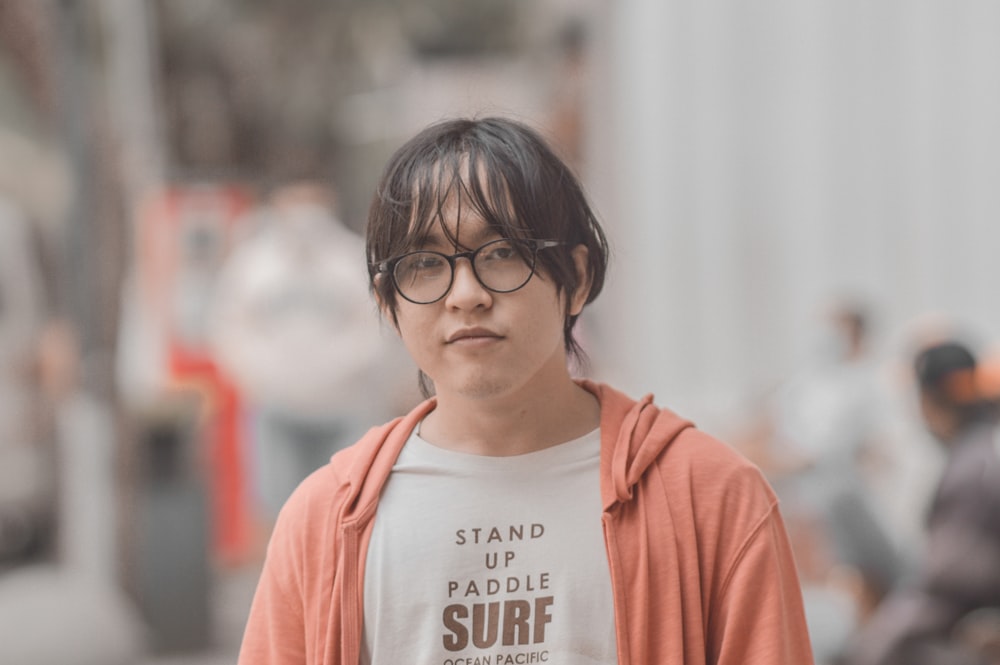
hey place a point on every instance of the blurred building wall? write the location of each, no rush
(754, 159)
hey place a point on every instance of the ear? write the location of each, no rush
(578, 298)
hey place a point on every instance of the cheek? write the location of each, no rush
(550, 318)
(414, 329)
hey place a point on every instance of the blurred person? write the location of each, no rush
(517, 515)
(829, 424)
(294, 327)
(948, 612)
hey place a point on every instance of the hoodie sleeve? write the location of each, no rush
(275, 632)
(759, 618)
(287, 620)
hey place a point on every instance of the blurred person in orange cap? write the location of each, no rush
(947, 613)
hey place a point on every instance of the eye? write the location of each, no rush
(501, 251)
(422, 265)
(427, 262)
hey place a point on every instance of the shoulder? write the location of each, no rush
(735, 517)
(700, 463)
(972, 471)
(717, 498)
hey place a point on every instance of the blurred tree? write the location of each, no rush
(253, 88)
(25, 37)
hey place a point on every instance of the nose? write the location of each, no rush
(466, 290)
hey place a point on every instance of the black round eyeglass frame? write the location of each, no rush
(389, 265)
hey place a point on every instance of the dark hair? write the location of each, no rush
(936, 364)
(507, 174)
(948, 374)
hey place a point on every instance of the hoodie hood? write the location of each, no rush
(633, 435)
(376, 454)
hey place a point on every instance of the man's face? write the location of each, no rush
(937, 419)
(480, 344)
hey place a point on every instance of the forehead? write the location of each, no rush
(468, 231)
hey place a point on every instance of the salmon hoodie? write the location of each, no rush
(701, 568)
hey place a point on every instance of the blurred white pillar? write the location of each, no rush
(641, 319)
(754, 160)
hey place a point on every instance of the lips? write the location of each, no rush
(472, 334)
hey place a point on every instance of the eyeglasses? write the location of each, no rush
(501, 266)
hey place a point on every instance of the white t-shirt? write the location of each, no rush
(490, 560)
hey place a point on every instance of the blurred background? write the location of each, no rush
(182, 288)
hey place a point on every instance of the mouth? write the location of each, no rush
(472, 335)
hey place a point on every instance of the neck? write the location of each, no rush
(514, 424)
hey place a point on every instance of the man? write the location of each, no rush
(948, 614)
(518, 516)
(830, 423)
